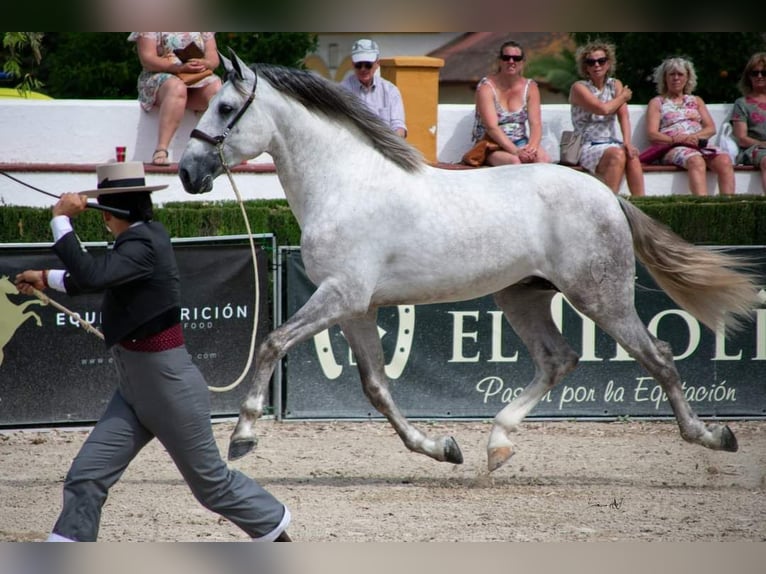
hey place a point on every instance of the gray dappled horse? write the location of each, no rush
(380, 227)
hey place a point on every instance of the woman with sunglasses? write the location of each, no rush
(506, 102)
(596, 101)
(748, 117)
(679, 118)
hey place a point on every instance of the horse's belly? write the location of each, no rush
(424, 289)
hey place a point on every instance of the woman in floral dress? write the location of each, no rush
(595, 103)
(158, 84)
(676, 116)
(748, 117)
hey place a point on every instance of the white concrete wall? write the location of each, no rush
(87, 131)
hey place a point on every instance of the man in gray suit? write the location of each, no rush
(160, 393)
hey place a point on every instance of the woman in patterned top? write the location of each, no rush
(158, 84)
(680, 118)
(506, 102)
(595, 103)
(748, 117)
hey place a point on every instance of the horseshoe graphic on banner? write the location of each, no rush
(332, 369)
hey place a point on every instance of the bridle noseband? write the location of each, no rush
(218, 140)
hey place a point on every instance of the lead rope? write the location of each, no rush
(83, 323)
(256, 303)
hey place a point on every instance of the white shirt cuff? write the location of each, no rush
(56, 279)
(60, 226)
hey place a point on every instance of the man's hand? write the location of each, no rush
(70, 204)
(29, 279)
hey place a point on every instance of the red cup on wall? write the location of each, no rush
(120, 152)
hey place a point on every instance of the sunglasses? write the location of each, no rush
(594, 61)
(757, 73)
(365, 65)
(509, 57)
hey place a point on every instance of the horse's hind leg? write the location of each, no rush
(527, 307)
(617, 316)
(362, 335)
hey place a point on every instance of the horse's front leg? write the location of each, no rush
(362, 335)
(325, 307)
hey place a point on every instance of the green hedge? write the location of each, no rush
(740, 220)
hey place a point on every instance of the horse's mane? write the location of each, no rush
(330, 99)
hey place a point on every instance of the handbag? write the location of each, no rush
(657, 151)
(570, 147)
(191, 78)
(654, 153)
(477, 155)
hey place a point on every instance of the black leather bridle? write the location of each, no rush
(219, 139)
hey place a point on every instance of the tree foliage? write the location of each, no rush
(718, 57)
(14, 49)
(96, 65)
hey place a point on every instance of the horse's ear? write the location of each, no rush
(241, 68)
(226, 62)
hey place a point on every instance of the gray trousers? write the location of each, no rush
(162, 395)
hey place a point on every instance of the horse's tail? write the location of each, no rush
(717, 288)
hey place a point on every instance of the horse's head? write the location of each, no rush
(229, 124)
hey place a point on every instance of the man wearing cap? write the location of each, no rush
(160, 391)
(381, 96)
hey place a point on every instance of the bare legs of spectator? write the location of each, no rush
(614, 164)
(171, 99)
(634, 174)
(721, 165)
(697, 170)
(502, 157)
(762, 167)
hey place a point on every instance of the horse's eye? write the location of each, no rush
(225, 109)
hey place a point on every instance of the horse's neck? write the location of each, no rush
(311, 152)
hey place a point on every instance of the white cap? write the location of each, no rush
(365, 50)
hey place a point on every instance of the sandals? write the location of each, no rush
(160, 157)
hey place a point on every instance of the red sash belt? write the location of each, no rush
(170, 338)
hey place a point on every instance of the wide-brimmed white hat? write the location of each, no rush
(365, 50)
(121, 177)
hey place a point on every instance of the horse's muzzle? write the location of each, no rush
(195, 184)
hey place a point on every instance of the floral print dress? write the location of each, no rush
(753, 113)
(599, 132)
(681, 119)
(149, 82)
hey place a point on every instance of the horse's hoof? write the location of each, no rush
(452, 451)
(240, 447)
(498, 456)
(728, 440)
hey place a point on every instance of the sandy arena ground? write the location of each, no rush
(355, 481)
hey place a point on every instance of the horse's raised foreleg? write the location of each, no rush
(324, 308)
(527, 307)
(362, 336)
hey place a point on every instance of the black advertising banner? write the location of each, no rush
(52, 371)
(464, 360)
